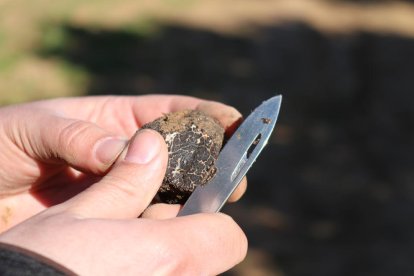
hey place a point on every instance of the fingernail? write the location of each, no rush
(143, 147)
(108, 149)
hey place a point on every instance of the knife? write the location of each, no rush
(235, 159)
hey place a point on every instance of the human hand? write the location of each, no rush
(97, 232)
(52, 150)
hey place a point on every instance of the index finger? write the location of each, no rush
(124, 114)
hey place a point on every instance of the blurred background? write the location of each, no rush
(333, 193)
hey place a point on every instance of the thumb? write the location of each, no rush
(127, 190)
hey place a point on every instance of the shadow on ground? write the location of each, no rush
(333, 193)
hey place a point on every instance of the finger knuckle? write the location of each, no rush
(69, 136)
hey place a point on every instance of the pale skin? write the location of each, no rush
(73, 191)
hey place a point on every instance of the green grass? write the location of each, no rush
(144, 27)
(7, 61)
(54, 38)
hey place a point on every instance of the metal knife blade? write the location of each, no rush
(235, 159)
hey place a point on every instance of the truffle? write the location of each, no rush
(194, 140)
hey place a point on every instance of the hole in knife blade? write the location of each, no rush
(253, 145)
(246, 157)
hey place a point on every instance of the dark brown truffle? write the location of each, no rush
(194, 140)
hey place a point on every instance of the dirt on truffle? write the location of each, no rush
(194, 140)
